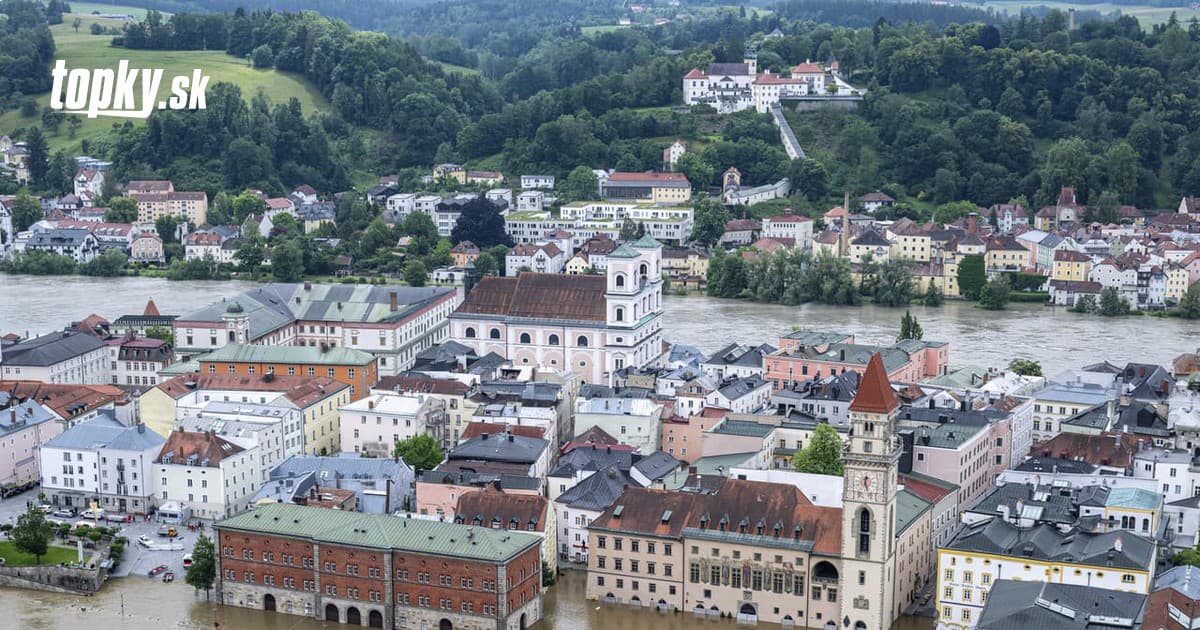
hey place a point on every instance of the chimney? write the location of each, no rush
(370, 404)
(395, 301)
(1071, 19)
(308, 286)
(973, 223)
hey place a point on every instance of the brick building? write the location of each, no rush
(346, 365)
(377, 570)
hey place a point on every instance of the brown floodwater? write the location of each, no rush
(136, 602)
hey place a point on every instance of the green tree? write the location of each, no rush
(247, 204)
(251, 253)
(287, 261)
(810, 177)
(1187, 557)
(480, 222)
(1025, 367)
(76, 23)
(109, 264)
(419, 451)
(26, 210)
(121, 210)
(415, 273)
(994, 294)
(1085, 304)
(893, 285)
(164, 333)
(972, 275)
(1189, 304)
(32, 533)
(262, 57)
(933, 296)
(823, 454)
(910, 328)
(1112, 304)
(39, 156)
(203, 571)
(581, 185)
(710, 219)
(165, 227)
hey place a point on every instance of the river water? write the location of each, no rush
(137, 602)
(1051, 335)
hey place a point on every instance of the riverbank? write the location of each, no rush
(1051, 335)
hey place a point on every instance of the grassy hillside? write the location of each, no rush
(1147, 15)
(82, 49)
(109, 8)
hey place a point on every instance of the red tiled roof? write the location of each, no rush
(151, 309)
(807, 68)
(694, 74)
(475, 429)
(61, 397)
(539, 296)
(1107, 449)
(209, 448)
(874, 393)
(493, 505)
(420, 385)
(301, 390)
(1070, 255)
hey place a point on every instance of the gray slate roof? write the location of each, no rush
(508, 448)
(346, 465)
(1050, 606)
(1046, 542)
(105, 431)
(51, 349)
(29, 413)
(598, 491)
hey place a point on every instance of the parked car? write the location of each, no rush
(167, 531)
(91, 513)
(144, 540)
(168, 576)
(64, 512)
(162, 568)
(187, 560)
(45, 509)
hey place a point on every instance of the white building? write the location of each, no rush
(375, 423)
(731, 87)
(102, 461)
(400, 205)
(545, 182)
(634, 421)
(137, 361)
(741, 395)
(532, 201)
(541, 258)
(792, 226)
(59, 357)
(89, 182)
(206, 473)
(592, 325)
(500, 196)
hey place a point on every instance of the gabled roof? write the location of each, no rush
(51, 349)
(208, 449)
(491, 506)
(598, 491)
(874, 393)
(539, 296)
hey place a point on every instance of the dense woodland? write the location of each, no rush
(986, 112)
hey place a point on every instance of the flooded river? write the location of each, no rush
(1051, 335)
(136, 602)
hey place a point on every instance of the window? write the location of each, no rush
(494, 333)
(525, 338)
(620, 314)
(1127, 578)
(553, 340)
(864, 531)
(582, 342)
(469, 332)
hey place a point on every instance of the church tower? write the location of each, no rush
(869, 505)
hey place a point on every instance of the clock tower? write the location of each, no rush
(871, 460)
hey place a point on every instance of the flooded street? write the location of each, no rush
(1050, 335)
(152, 604)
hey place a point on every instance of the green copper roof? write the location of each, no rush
(646, 241)
(624, 251)
(908, 507)
(382, 531)
(1134, 498)
(242, 353)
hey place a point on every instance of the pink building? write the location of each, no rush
(438, 492)
(954, 452)
(815, 355)
(24, 428)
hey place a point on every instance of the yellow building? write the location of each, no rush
(1071, 265)
(152, 206)
(871, 243)
(683, 264)
(1177, 281)
(657, 188)
(910, 241)
(578, 265)
(464, 253)
(1004, 253)
(453, 171)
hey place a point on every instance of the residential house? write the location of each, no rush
(374, 424)
(102, 461)
(206, 473)
(59, 357)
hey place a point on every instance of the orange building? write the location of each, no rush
(355, 368)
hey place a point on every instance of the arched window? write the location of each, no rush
(864, 531)
(620, 314)
(553, 340)
(525, 338)
(582, 342)
(643, 269)
(620, 280)
(495, 334)
(470, 332)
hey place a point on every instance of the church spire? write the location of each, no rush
(874, 393)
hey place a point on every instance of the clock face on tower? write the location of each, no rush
(868, 486)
